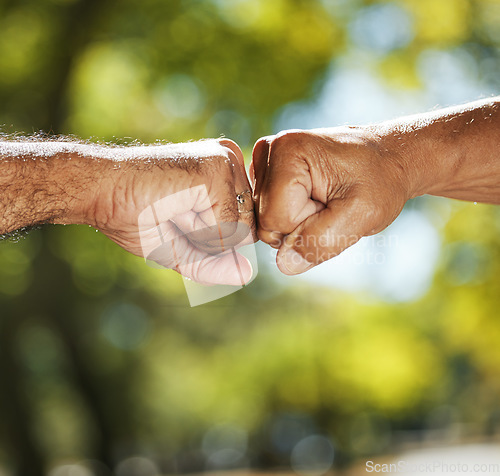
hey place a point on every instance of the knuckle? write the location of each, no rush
(275, 225)
(276, 214)
(230, 144)
(291, 134)
(262, 235)
(266, 222)
(273, 239)
(286, 143)
(260, 152)
(276, 218)
(290, 137)
(231, 147)
(285, 224)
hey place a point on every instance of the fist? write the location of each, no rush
(185, 206)
(318, 192)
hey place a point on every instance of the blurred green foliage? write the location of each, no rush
(100, 356)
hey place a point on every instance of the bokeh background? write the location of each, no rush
(104, 367)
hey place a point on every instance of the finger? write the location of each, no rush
(199, 221)
(235, 149)
(272, 238)
(215, 223)
(230, 269)
(211, 206)
(260, 155)
(154, 233)
(242, 190)
(241, 182)
(212, 239)
(226, 268)
(219, 238)
(323, 235)
(285, 198)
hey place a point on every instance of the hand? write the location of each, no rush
(177, 205)
(317, 192)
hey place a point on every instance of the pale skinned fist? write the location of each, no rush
(177, 205)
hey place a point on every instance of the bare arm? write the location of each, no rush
(46, 182)
(131, 194)
(319, 191)
(453, 152)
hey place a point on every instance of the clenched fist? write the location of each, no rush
(317, 192)
(185, 206)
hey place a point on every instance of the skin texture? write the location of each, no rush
(192, 188)
(319, 191)
(316, 192)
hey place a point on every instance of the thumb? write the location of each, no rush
(230, 269)
(322, 236)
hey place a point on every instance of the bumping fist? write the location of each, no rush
(319, 191)
(185, 206)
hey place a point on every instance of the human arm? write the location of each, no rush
(319, 191)
(66, 182)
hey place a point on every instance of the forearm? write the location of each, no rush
(453, 152)
(46, 182)
(68, 182)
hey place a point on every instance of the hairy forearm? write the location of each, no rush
(64, 181)
(452, 152)
(46, 182)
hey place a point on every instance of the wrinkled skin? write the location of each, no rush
(318, 192)
(193, 189)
